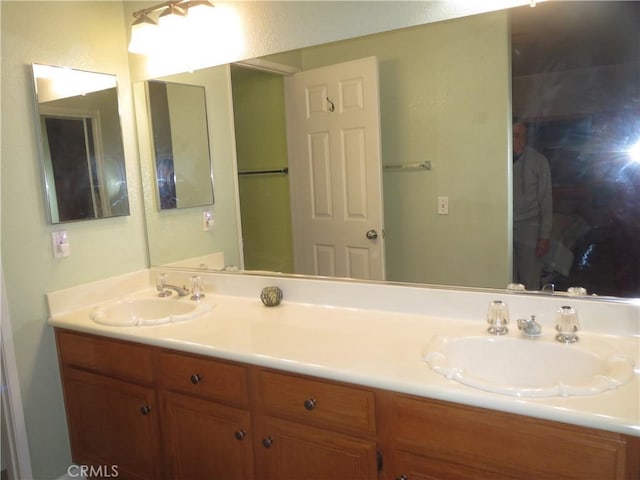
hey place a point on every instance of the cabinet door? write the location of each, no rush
(113, 425)
(205, 440)
(535, 448)
(415, 467)
(291, 451)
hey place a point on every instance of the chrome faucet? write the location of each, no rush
(164, 290)
(529, 327)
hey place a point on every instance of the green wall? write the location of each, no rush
(261, 144)
(69, 34)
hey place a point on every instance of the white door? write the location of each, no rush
(335, 169)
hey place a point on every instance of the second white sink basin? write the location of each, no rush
(525, 367)
(147, 311)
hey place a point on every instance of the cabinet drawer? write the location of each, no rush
(536, 448)
(202, 376)
(317, 402)
(115, 358)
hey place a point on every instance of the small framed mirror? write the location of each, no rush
(81, 144)
(181, 144)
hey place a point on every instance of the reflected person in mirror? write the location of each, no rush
(532, 209)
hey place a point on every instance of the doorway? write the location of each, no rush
(263, 182)
(307, 209)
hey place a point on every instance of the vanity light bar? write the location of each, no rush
(179, 7)
(145, 30)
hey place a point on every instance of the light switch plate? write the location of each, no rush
(443, 205)
(60, 244)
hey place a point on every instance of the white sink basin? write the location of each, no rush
(147, 311)
(527, 367)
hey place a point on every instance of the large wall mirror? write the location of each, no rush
(181, 144)
(81, 144)
(447, 94)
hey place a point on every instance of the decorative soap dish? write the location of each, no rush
(271, 296)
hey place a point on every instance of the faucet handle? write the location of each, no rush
(161, 281)
(497, 317)
(567, 325)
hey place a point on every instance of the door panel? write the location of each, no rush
(205, 439)
(291, 451)
(333, 116)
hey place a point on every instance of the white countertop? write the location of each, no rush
(375, 348)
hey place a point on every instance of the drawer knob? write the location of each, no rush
(310, 403)
(402, 477)
(195, 378)
(145, 410)
(267, 442)
(240, 434)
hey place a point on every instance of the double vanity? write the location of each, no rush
(344, 379)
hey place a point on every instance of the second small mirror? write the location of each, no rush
(81, 144)
(181, 144)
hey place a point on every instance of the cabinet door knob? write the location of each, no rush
(145, 410)
(195, 378)
(267, 442)
(310, 403)
(402, 477)
(240, 434)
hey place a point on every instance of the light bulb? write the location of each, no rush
(144, 34)
(200, 13)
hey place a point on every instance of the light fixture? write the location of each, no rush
(198, 7)
(144, 33)
(175, 20)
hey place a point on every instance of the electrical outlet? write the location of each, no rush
(443, 205)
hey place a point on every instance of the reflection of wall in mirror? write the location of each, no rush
(177, 235)
(448, 105)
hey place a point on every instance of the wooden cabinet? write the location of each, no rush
(205, 439)
(312, 429)
(158, 413)
(440, 440)
(113, 423)
(205, 420)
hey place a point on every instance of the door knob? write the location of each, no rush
(372, 234)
